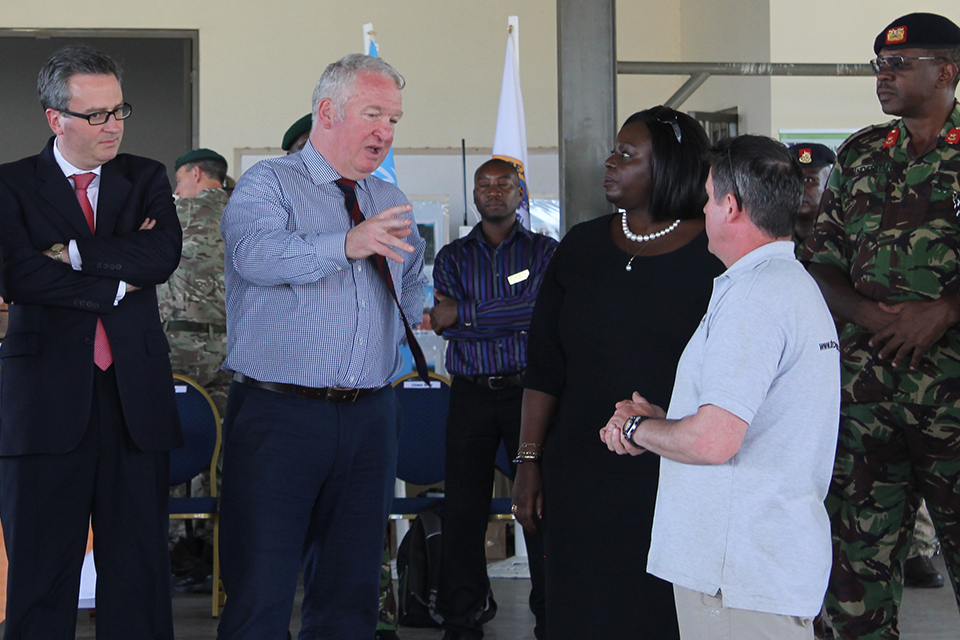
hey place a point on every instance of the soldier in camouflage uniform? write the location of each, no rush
(192, 307)
(192, 301)
(886, 252)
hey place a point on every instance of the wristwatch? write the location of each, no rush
(630, 427)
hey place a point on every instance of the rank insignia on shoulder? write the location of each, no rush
(896, 35)
(891, 139)
(805, 155)
(953, 136)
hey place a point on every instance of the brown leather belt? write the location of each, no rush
(329, 394)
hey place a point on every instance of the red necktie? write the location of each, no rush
(102, 353)
(353, 208)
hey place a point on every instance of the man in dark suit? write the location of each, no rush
(87, 413)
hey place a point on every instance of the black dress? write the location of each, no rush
(599, 333)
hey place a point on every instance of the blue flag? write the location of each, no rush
(387, 170)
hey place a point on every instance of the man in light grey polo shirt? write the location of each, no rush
(748, 444)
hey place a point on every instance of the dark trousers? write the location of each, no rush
(46, 504)
(305, 482)
(478, 420)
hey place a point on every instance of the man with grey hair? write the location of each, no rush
(324, 275)
(86, 401)
(747, 446)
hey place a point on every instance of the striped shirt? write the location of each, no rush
(298, 310)
(495, 289)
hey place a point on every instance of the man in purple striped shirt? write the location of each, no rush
(485, 284)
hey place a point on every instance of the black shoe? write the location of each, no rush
(920, 573)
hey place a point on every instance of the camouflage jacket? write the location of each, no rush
(195, 292)
(892, 224)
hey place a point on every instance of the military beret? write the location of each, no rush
(197, 155)
(812, 154)
(296, 130)
(919, 31)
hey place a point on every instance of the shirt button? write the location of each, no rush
(361, 340)
(352, 378)
(359, 267)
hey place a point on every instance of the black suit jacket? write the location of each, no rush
(46, 375)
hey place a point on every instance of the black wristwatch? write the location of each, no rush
(630, 427)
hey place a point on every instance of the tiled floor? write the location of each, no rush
(928, 614)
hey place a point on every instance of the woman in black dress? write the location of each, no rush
(620, 299)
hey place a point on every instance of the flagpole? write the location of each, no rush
(513, 26)
(463, 161)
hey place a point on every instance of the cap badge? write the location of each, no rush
(805, 155)
(892, 138)
(953, 137)
(897, 35)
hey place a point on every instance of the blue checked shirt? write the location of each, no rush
(495, 290)
(299, 311)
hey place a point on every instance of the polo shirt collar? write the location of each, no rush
(778, 249)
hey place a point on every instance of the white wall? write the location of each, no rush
(260, 60)
(830, 31)
(729, 32)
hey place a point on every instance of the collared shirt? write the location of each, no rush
(298, 310)
(93, 196)
(755, 527)
(495, 289)
(892, 224)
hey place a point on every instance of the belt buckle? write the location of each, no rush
(497, 382)
(356, 393)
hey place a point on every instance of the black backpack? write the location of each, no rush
(418, 572)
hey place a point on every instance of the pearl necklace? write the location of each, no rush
(650, 236)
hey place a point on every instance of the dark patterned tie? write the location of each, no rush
(349, 188)
(102, 352)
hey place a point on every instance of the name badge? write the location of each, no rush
(519, 276)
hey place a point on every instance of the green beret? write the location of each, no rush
(197, 155)
(296, 130)
(919, 31)
(812, 154)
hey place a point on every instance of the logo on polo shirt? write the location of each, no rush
(826, 346)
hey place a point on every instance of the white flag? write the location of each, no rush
(510, 139)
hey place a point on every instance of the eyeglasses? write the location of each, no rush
(896, 63)
(733, 178)
(672, 121)
(100, 117)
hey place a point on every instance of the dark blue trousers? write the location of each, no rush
(47, 502)
(305, 483)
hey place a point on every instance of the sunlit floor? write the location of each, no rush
(928, 614)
